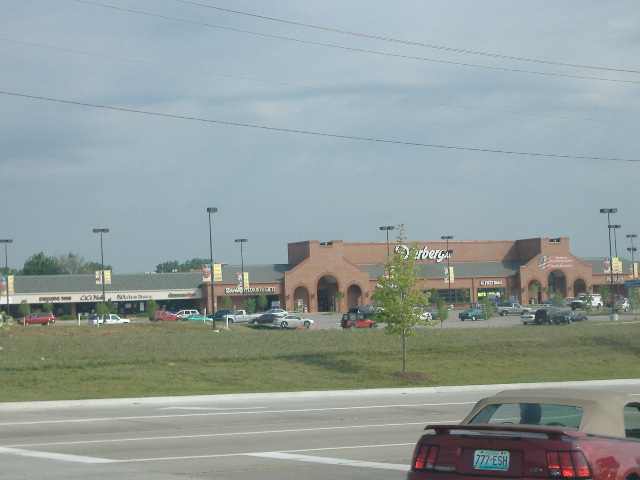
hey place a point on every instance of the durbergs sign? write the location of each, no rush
(425, 253)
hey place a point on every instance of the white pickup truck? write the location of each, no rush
(513, 308)
(110, 318)
(241, 316)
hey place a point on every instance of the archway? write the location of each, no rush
(354, 296)
(534, 292)
(301, 299)
(326, 291)
(579, 286)
(557, 283)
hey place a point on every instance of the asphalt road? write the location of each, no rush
(351, 435)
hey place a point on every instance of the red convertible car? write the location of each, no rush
(536, 434)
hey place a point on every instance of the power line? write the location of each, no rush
(317, 134)
(344, 92)
(353, 49)
(408, 42)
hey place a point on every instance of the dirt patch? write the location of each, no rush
(414, 376)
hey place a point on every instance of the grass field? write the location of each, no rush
(157, 359)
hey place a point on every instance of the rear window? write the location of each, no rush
(530, 414)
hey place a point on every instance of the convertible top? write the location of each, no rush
(602, 410)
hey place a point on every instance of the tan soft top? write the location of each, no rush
(602, 410)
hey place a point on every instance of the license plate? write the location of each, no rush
(491, 460)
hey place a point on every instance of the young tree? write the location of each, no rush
(226, 301)
(24, 308)
(587, 303)
(399, 294)
(249, 305)
(150, 309)
(104, 308)
(465, 295)
(47, 307)
(558, 299)
(605, 293)
(338, 298)
(262, 303)
(533, 291)
(487, 307)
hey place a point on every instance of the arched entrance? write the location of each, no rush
(301, 299)
(326, 291)
(557, 283)
(579, 286)
(534, 292)
(354, 296)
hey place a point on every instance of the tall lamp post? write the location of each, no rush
(211, 210)
(6, 266)
(387, 228)
(615, 252)
(241, 241)
(609, 211)
(632, 250)
(447, 238)
(101, 231)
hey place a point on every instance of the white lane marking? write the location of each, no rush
(241, 412)
(231, 434)
(330, 461)
(55, 456)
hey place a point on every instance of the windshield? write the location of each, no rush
(530, 414)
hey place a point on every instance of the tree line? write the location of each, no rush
(74, 264)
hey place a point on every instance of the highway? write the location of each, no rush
(350, 435)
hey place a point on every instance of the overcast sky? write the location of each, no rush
(301, 120)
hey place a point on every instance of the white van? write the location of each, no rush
(183, 314)
(596, 301)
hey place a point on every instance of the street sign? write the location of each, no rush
(632, 284)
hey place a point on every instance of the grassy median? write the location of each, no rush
(157, 359)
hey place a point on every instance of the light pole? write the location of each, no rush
(211, 210)
(447, 238)
(6, 269)
(609, 211)
(387, 228)
(615, 251)
(241, 241)
(101, 231)
(632, 250)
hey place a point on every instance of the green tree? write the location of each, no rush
(226, 301)
(558, 299)
(47, 307)
(399, 294)
(442, 312)
(73, 264)
(262, 303)
(487, 307)
(249, 305)
(605, 293)
(534, 291)
(24, 308)
(104, 308)
(635, 301)
(150, 309)
(40, 264)
(194, 264)
(587, 303)
(338, 298)
(168, 267)
(465, 295)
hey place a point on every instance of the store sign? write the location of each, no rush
(133, 297)
(490, 283)
(251, 290)
(424, 254)
(555, 261)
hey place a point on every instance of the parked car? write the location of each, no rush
(265, 319)
(546, 433)
(220, 314)
(596, 302)
(472, 314)
(621, 305)
(183, 314)
(365, 310)
(568, 300)
(528, 317)
(293, 321)
(197, 317)
(277, 311)
(109, 318)
(357, 320)
(568, 317)
(545, 315)
(423, 314)
(38, 319)
(164, 316)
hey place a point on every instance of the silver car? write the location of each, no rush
(293, 321)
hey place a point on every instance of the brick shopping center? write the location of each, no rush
(461, 271)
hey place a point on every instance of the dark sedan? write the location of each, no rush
(265, 319)
(568, 317)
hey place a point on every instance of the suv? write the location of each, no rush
(184, 314)
(164, 316)
(545, 315)
(356, 320)
(38, 318)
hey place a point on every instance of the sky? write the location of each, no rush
(306, 120)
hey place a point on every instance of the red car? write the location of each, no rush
(164, 316)
(356, 320)
(536, 434)
(38, 318)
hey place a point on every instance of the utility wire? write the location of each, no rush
(408, 42)
(353, 49)
(318, 134)
(343, 92)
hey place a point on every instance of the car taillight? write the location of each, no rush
(424, 457)
(568, 465)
